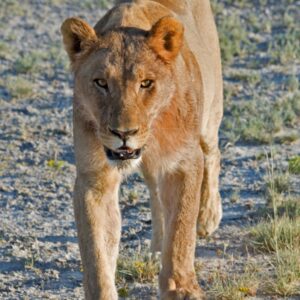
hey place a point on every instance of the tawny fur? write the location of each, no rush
(174, 44)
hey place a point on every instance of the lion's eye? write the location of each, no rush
(146, 83)
(101, 83)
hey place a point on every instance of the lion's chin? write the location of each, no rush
(126, 166)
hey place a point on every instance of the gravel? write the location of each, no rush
(39, 256)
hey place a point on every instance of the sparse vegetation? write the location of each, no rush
(4, 50)
(274, 235)
(292, 83)
(58, 55)
(232, 36)
(11, 8)
(259, 121)
(278, 187)
(19, 88)
(139, 268)
(279, 236)
(294, 165)
(284, 47)
(29, 62)
(234, 287)
(260, 49)
(250, 78)
(90, 4)
(55, 164)
(286, 280)
(235, 196)
(133, 197)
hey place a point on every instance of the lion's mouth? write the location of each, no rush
(123, 153)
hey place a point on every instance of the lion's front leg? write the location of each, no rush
(180, 199)
(99, 226)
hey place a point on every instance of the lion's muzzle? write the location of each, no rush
(126, 151)
(123, 134)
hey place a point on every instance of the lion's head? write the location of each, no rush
(123, 80)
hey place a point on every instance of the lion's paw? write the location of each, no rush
(190, 290)
(182, 294)
(209, 217)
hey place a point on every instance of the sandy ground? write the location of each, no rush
(39, 257)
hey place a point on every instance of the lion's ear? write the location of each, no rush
(77, 36)
(166, 37)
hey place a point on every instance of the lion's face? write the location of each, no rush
(122, 82)
(127, 86)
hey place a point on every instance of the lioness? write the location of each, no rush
(147, 94)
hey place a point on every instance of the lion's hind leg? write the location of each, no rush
(156, 211)
(210, 212)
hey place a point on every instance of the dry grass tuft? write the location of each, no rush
(139, 268)
(236, 286)
(286, 268)
(20, 88)
(279, 236)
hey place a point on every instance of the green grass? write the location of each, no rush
(245, 38)
(280, 201)
(92, 4)
(55, 164)
(5, 51)
(232, 36)
(11, 8)
(235, 196)
(87, 4)
(19, 88)
(133, 197)
(278, 184)
(249, 78)
(252, 122)
(292, 83)
(59, 56)
(294, 165)
(30, 62)
(284, 47)
(259, 120)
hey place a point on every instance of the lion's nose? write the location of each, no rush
(124, 135)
